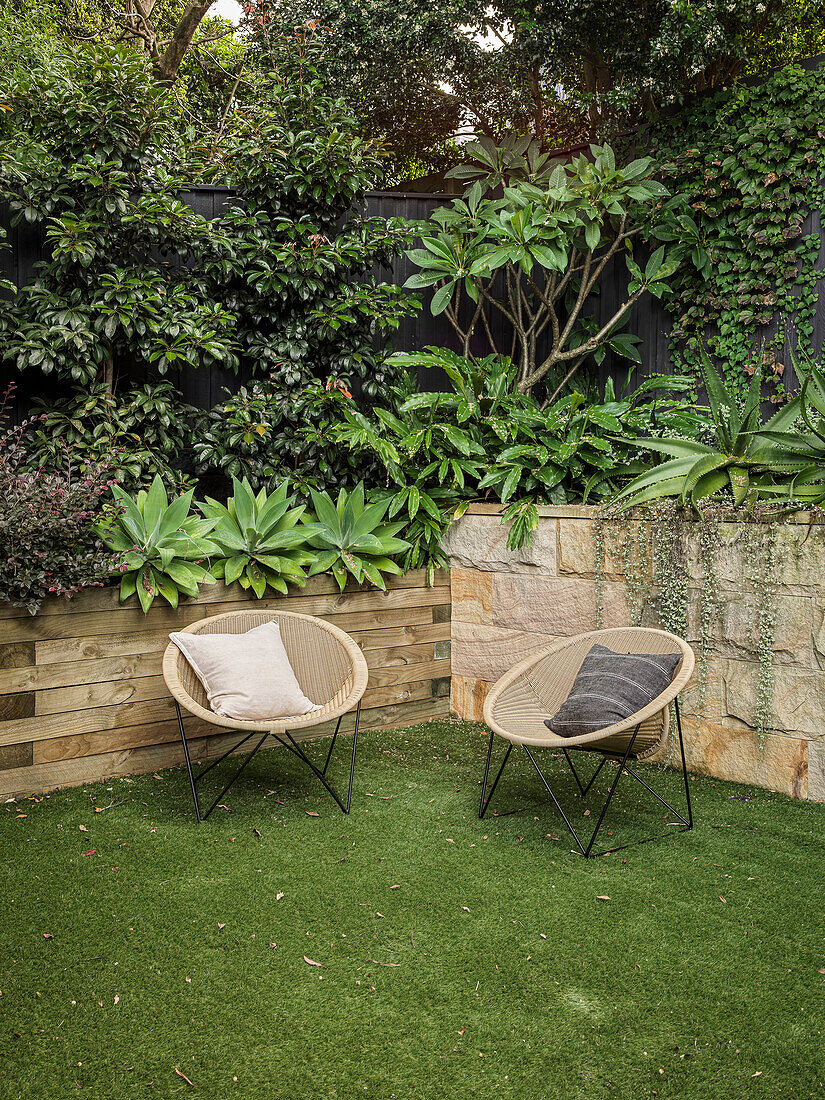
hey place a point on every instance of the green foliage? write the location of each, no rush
(92, 156)
(536, 255)
(300, 285)
(351, 538)
(750, 162)
(139, 432)
(161, 544)
(483, 440)
(564, 71)
(267, 432)
(806, 484)
(259, 542)
(742, 458)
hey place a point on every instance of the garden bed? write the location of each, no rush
(763, 641)
(82, 696)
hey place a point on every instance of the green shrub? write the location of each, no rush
(142, 432)
(50, 546)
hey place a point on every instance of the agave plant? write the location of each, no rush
(161, 543)
(351, 538)
(259, 541)
(745, 457)
(806, 485)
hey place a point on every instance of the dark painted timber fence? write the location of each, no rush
(205, 388)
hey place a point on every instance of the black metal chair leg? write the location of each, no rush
(188, 764)
(320, 773)
(247, 760)
(684, 765)
(354, 747)
(615, 783)
(592, 779)
(482, 810)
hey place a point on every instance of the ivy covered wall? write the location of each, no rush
(751, 163)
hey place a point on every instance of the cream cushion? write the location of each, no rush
(245, 676)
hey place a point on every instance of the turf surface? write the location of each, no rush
(409, 951)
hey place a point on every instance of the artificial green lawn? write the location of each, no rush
(458, 958)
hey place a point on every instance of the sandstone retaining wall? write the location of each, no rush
(507, 604)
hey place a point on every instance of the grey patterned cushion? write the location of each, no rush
(610, 687)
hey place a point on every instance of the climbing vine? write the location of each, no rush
(750, 162)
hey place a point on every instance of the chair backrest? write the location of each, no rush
(552, 677)
(322, 656)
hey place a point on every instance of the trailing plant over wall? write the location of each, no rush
(750, 162)
(669, 559)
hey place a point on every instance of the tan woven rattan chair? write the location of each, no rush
(329, 666)
(518, 704)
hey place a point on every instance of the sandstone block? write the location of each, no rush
(576, 549)
(480, 542)
(816, 770)
(554, 605)
(780, 764)
(467, 698)
(735, 632)
(487, 652)
(472, 595)
(798, 698)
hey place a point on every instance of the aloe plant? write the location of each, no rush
(745, 457)
(161, 544)
(259, 541)
(351, 538)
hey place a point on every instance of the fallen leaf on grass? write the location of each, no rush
(257, 832)
(183, 1075)
(83, 828)
(271, 944)
(279, 895)
(89, 852)
(117, 998)
(221, 926)
(396, 887)
(725, 900)
(48, 936)
(311, 962)
(757, 1074)
(312, 813)
(602, 897)
(21, 815)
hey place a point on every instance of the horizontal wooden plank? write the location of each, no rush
(136, 690)
(87, 721)
(333, 607)
(108, 599)
(75, 673)
(401, 674)
(161, 733)
(376, 633)
(49, 775)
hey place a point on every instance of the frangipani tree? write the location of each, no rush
(536, 256)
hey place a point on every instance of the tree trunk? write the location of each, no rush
(168, 62)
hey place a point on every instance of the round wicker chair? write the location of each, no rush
(518, 704)
(328, 664)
